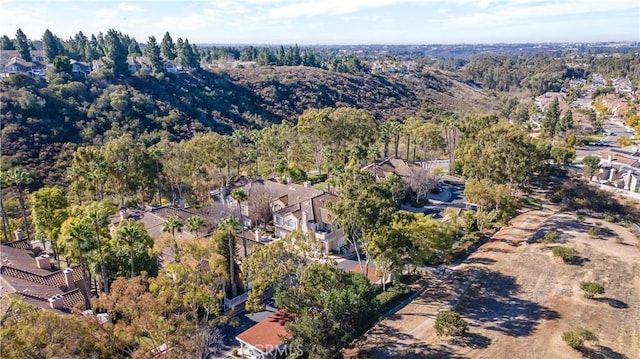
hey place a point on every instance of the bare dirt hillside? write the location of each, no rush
(518, 299)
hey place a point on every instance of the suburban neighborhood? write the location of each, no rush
(207, 192)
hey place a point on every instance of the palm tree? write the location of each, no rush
(130, 233)
(19, 177)
(239, 195)
(157, 154)
(99, 221)
(230, 226)
(79, 232)
(194, 223)
(450, 125)
(396, 130)
(238, 137)
(6, 228)
(172, 225)
(388, 130)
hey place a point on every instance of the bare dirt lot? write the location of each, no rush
(518, 299)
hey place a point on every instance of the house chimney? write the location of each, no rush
(258, 235)
(123, 214)
(612, 172)
(305, 220)
(56, 302)
(609, 159)
(43, 262)
(19, 234)
(223, 194)
(68, 278)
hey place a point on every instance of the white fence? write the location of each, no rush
(620, 191)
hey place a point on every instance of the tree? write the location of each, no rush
(6, 43)
(450, 323)
(562, 155)
(317, 126)
(152, 51)
(48, 212)
(172, 225)
(387, 131)
(362, 208)
(22, 45)
(624, 141)
(99, 219)
(500, 152)
(565, 123)
(576, 338)
(167, 47)
(230, 227)
(78, 232)
(277, 263)
(590, 289)
(239, 195)
(395, 187)
(133, 49)
(27, 331)
(329, 306)
(186, 57)
(62, 68)
(194, 224)
(551, 118)
(431, 240)
(50, 46)
(591, 164)
(19, 178)
(421, 182)
(156, 154)
(133, 234)
(116, 53)
(6, 226)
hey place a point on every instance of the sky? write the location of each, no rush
(327, 22)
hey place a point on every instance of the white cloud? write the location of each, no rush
(516, 11)
(125, 7)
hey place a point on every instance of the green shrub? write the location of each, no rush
(317, 178)
(549, 237)
(597, 223)
(578, 336)
(450, 323)
(568, 255)
(395, 291)
(580, 219)
(593, 232)
(591, 289)
(619, 239)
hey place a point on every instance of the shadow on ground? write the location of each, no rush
(472, 340)
(601, 352)
(493, 303)
(613, 303)
(404, 346)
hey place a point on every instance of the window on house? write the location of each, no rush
(279, 220)
(291, 223)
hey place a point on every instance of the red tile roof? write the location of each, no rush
(372, 273)
(268, 334)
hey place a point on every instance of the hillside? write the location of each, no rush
(288, 91)
(42, 123)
